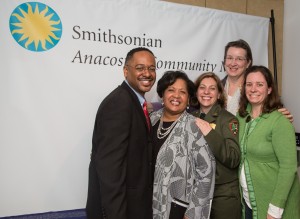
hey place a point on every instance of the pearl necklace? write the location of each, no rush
(163, 132)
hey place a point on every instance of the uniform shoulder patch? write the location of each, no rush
(234, 127)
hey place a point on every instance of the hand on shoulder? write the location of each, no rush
(204, 126)
(287, 114)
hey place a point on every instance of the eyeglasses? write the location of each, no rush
(237, 59)
(143, 68)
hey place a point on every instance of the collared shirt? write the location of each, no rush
(139, 96)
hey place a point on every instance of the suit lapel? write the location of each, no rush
(136, 103)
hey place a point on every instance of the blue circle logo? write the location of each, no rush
(35, 26)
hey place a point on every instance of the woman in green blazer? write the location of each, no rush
(268, 169)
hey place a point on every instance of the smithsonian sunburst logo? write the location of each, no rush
(35, 26)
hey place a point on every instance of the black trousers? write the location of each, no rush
(248, 211)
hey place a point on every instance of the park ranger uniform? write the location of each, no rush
(224, 143)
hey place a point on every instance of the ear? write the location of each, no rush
(125, 71)
(248, 64)
(269, 90)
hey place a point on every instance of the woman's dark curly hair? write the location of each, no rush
(169, 78)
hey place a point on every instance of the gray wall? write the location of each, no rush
(291, 54)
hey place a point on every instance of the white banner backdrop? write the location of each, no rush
(59, 59)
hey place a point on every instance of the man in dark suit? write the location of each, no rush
(120, 176)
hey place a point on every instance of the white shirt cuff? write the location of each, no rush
(275, 211)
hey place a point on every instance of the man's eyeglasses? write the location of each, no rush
(237, 59)
(143, 68)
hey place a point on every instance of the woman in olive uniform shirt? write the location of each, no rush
(220, 129)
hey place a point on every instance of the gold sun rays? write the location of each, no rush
(35, 27)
